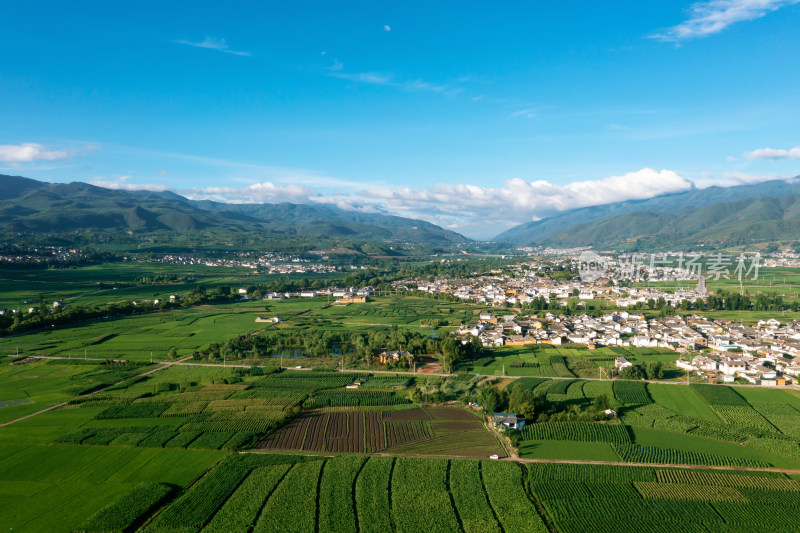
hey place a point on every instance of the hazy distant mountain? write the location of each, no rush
(28, 205)
(567, 227)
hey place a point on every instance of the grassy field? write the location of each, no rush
(80, 286)
(781, 280)
(748, 318)
(398, 310)
(54, 488)
(25, 389)
(187, 330)
(135, 337)
(681, 400)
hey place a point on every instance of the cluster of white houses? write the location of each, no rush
(515, 291)
(268, 263)
(612, 329)
(764, 354)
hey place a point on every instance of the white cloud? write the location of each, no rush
(388, 80)
(121, 183)
(372, 78)
(213, 43)
(348, 203)
(487, 210)
(771, 153)
(387, 28)
(264, 192)
(530, 112)
(730, 179)
(26, 152)
(713, 16)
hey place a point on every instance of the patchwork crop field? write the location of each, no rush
(185, 447)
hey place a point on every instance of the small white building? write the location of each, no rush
(509, 420)
(621, 362)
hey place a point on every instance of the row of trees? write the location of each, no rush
(353, 346)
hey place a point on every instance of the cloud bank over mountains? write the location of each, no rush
(471, 208)
(476, 210)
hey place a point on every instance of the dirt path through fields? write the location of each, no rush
(656, 465)
(516, 459)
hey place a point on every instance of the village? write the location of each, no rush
(265, 263)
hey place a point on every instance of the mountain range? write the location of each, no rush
(715, 216)
(31, 206)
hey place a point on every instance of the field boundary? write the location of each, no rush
(516, 459)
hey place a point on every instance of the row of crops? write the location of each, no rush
(351, 494)
(576, 431)
(354, 399)
(155, 436)
(616, 498)
(770, 426)
(633, 453)
(631, 392)
(354, 431)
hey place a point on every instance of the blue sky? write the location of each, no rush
(470, 116)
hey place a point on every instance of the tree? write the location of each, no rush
(601, 403)
(489, 399)
(415, 395)
(476, 349)
(655, 370)
(631, 372)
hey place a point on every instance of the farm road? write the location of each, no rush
(548, 461)
(656, 465)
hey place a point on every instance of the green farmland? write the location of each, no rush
(190, 329)
(665, 423)
(101, 284)
(560, 361)
(181, 444)
(157, 452)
